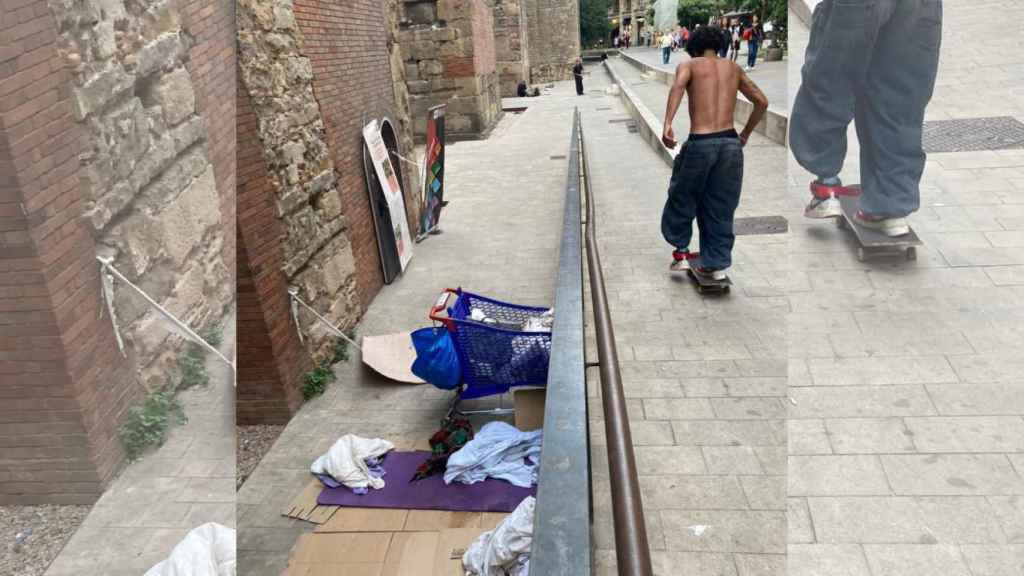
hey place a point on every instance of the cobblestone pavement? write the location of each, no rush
(501, 233)
(187, 482)
(906, 437)
(772, 77)
(704, 378)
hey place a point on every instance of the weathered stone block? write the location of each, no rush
(430, 68)
(106, 86)
(163, 53)
(419, 86)
(421, 12)
(175, 96)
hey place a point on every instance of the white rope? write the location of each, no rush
(107, 290)
(404, 159)
(107, 269)
(293, 293)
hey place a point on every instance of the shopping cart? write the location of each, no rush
(495, 351)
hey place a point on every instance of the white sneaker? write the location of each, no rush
(821, 208)
(716, 275)
(889, 226)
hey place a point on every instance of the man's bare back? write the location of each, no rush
(712, 84)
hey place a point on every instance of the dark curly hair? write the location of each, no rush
(705, 38)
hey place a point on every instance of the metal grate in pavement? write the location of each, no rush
(973, 134)
(557, 157)
(760, 225)
(619, 120)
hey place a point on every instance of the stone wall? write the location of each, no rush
(312, 74)
(554, 38)
(101, 152)
(448, 50)
(511, 44)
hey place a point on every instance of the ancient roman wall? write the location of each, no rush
(554, 38)
(511, 44)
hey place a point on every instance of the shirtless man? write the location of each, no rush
(708, 171)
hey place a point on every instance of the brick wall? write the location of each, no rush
(212, 69)
(63, 384)
(271, 359)
(346, 44)
(484, 59)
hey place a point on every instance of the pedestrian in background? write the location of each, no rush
(666, 48)
(753, 36)
(577, 74)
(735, 43)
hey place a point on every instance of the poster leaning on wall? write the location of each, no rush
(392, 191)
(433, 174)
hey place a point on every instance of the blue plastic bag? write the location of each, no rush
(436, 360)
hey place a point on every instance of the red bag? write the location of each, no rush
(748, 34)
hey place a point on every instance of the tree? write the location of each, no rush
(694, 12)
(594, 26)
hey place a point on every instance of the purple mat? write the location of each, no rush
(430, 493)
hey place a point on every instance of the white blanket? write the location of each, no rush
(208, 550)
(506, 549)
(497, 451)
(346, 461)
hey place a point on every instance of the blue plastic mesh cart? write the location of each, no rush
(495, 353)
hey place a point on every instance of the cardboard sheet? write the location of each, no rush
(437, 553)
(529, 406)
(304, 506)
(391, 355)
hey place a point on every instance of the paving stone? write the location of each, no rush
(891, 520)
(773, 459)
(725, 531)
(869, 436)
(952, 474)
(748, 408)
(798, 522)
(807, 437)
(880, 371)
(860, 401)
(678, 409)
(761, 564)
(915, 560)
(653, 389)
(849, 475)
(968, 434)
(1010, 512)
(826, 560)
(986, 369)
(995, 560)
(729, 433)
(765, 492)
(693, 492)
(978, 399)
(731, 460)
(672, 563)
(669, 460)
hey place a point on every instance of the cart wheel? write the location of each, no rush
(911, 253)
(862, 254)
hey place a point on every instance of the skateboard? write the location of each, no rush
(873, 242)
(706, 284)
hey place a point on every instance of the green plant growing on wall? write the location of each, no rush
(146, 425)
(315, 382)
(341, 350)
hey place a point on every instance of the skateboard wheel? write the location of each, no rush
(862, 255)
(911, 253)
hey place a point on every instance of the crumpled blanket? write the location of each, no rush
(504, 551)
(498, 450)
(207, 550)
(345, 461)
(452, 436)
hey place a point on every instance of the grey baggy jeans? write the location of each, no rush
(875, 62)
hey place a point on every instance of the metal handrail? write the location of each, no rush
(632, 551)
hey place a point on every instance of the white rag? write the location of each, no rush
(497, 451)
(506, 549)
(346, 461)
(208, 550)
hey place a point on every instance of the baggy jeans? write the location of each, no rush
(752, 53)
(707, 177)
(874, 62)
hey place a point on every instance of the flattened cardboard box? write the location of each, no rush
(529, 405)
(381, 554)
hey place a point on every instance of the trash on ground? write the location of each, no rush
(391, 356)
(345, 461)
(506, 549)
(208, 550)
(499, 450)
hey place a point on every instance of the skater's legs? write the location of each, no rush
(890, 111)
(717, 207)
(842, 40)
(689, 173)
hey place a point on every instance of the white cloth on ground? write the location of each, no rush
(498, 450)
(208, 550)
(506, 549)
(346, 461)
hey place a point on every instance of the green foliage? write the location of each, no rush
(192, 366)
(147, 425)
(594, 24)
(694, 12)
(341, 351)
(316, 382)
(214, 335)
